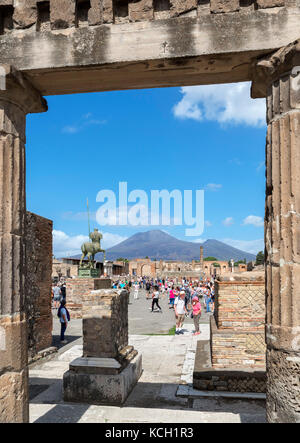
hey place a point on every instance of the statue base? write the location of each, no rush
(101, 381)
(88, 273)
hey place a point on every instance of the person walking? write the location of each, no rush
(56, 296)
(155, 298)
(196, 314)
(171, 298)
(180, 311)
(64, 317)
(136, 290)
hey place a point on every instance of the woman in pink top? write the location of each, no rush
(172, 298)
(196, 314)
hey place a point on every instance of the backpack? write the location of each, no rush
(68, 314)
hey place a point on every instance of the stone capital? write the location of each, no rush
(286, 61)
(16, 89)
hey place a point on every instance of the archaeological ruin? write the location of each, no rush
(66, 46)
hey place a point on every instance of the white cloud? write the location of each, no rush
(86, 120)
(228, 221)
(251, 246)
(254, 220)
(66, 245)
(230, 103)
(213, 187)
(208, 223)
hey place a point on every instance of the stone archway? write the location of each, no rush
(192, 45)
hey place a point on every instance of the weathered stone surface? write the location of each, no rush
(278, 77)
(270, 3)
(18, 98)
(179, 7)
(14, 406)
(223, 6)
(62, 13)
(283, 387)
(84, 387)
(105, 323)
(140, 10)
(25, 13)
(95, 15)
(108, 11)
(38, 282)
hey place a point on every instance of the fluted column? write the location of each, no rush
(17, 98)
(279, 76)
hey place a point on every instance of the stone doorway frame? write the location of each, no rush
(275, 77)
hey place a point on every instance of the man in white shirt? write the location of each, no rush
(180, 311)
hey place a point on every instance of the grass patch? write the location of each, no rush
(170, 332)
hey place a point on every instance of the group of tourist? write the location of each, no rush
(184, 298)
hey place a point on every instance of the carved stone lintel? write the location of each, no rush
(271, 68)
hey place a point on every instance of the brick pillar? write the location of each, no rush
(279, 79)
(17, 98)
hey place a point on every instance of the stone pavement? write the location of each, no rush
(168, 362)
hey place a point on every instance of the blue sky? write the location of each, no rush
(208, 137)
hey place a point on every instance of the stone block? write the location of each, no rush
(224, 6)
(140, 10)
(25, 14)
(263, 4)
(95, 15)
(14, 407)
(86, 383)
(62, 14)
(179, 7)
(105, 323)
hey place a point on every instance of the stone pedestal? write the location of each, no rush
(17, 98)
(77, 288)
(278, 78)
(109, 368)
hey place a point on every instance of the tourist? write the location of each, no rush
(155, 298)
(136, 290)
(148, 288)
(56, 296)
(196, 314)
(64, 317)
(171, 298)
(180, 311)
(63, 291)
(207, 300)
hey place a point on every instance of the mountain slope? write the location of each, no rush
(160, 245)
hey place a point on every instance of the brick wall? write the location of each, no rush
(238, 327)
(38, 282)
(77, 288)
(60, 14)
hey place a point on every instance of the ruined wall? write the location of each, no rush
(60, 14)
(238, 327)
(77, 288)
(38, 282)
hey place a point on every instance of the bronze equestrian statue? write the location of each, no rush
(90, 249)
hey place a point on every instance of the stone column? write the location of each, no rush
(17, 98)
(278, 78)
(201, 257)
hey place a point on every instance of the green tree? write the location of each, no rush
(122, 259)
(260, 258)
(210, 259)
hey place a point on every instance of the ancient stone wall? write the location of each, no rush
(238, 327)
(77, 288)
(105, 316)
(38, 282)
(60, 14)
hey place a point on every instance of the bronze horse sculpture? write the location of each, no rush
(90, 249)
